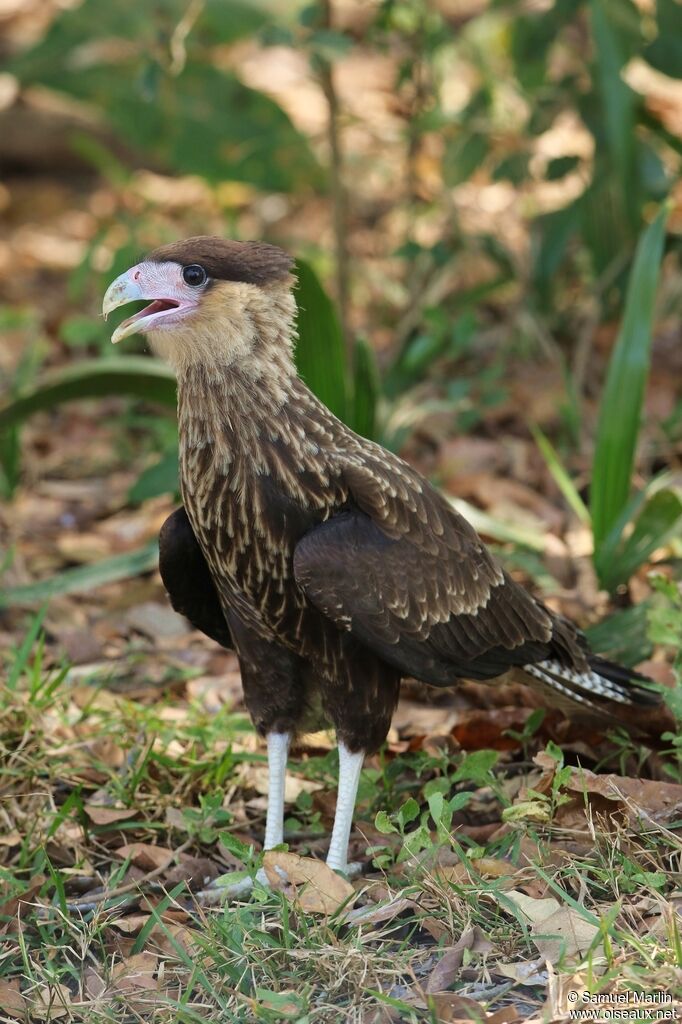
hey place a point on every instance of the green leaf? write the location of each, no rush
(623, 636)
(560, 166)
(84, 577)
(320, 352)
(463, 155)
(561, 477)
(408, 812)
(621, 405)
(618, 99)
(659, 519)
(366, 387)
(160, 478)
(135, 376)
(383, 824)
(173, 104)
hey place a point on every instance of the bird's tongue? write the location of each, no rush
(157, 306)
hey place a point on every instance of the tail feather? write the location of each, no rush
(604, 682)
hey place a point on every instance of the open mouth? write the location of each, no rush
(155, 307)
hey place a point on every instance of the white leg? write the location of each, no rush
(278, 751)
(350, 766)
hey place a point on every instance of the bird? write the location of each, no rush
(329, 565)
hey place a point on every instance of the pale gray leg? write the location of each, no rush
(350, 766)
(278, 752)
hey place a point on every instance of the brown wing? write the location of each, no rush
(187, 578)
(407, 575)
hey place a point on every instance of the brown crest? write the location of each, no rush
(228, 260)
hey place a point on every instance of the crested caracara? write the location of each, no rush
(330, 566)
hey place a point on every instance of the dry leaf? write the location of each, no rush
(135, 974)
(50, 1002)
(557, 931)
(255, 776)
(451, 1007)
(145, 856)
(11, 839)
(95, 985)
(447, 968)
(11, 999)
(323, 890)
(381, 912)
(101, 815)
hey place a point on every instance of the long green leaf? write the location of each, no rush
(623, 635)
(136, 376)
(659, 519)
(561, 477)
(320, 352)
(84, 577)
(365, 390)
(621, 406)
(619, 102)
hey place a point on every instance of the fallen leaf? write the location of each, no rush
(145, 856)
(130, 924)
(101, 815)
(450, 1007)
(11, 999)
(11, 839)
(95, 985)
(557, 931)
(379, 913)
(323, 890)
(447, 968)
(255, 776)
(50, 1002)
(136, 974)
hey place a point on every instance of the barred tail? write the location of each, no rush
(604, 682)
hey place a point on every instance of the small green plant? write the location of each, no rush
(626, 528)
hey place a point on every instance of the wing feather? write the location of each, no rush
(403, 571)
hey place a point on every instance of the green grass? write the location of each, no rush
(162, 951)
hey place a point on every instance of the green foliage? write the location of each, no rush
(135, 376)
(621, 405)
(83, 578)
(154, 76)
(320, 355)
(626, 529)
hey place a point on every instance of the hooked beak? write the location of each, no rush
(127, 288)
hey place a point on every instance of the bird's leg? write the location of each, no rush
(350, 765)
(278, 751)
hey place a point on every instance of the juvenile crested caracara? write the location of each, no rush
(330, 566)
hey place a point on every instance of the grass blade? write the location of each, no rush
(561, 477)
(621, 405)
(24, 652)
(320, 352)
(84, 577)
(136, 376)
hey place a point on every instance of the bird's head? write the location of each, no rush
(209, 299)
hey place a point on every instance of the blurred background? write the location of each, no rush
(485, 203)
(484, 197)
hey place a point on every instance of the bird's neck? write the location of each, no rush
(251, 412)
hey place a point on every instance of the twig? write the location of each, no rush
(122, 890)
(339, 195)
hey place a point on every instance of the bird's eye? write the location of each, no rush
(194, 275)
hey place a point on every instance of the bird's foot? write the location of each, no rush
(350, 871)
